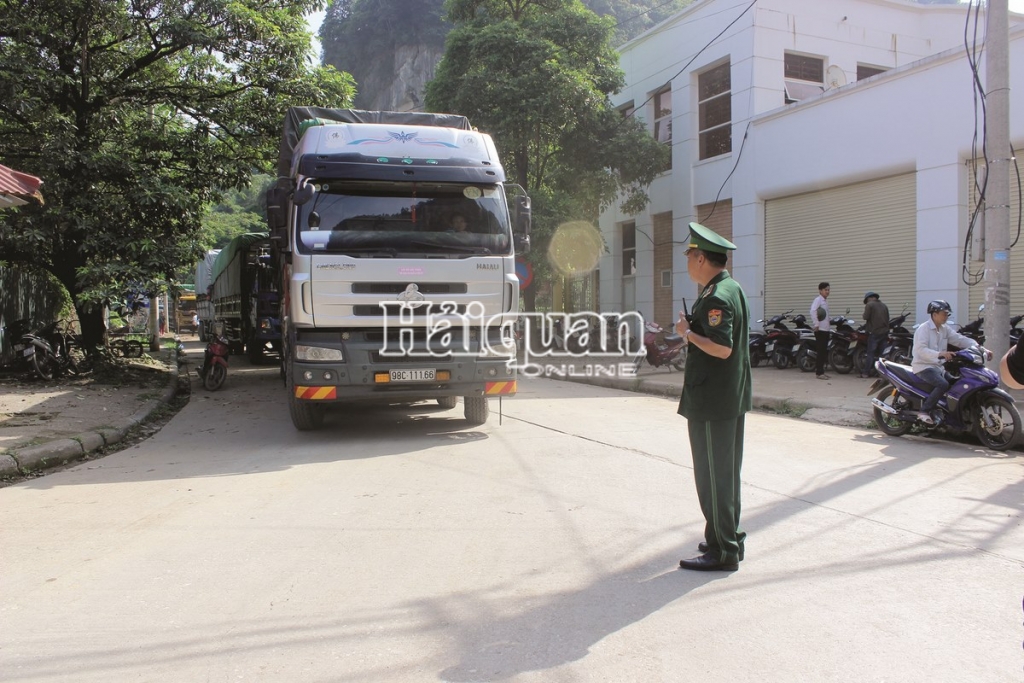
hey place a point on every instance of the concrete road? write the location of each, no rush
(402, 544)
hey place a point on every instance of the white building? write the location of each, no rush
(829, 139)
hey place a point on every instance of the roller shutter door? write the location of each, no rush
(977, 292)
(857, 237)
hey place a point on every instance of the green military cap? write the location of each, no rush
(707, 239)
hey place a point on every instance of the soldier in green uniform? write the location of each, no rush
(716, 397)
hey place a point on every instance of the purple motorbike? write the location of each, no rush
(973, 403)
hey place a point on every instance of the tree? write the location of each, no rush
(239, 212)
(137, 116)
(537, 75)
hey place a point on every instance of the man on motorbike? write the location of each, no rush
(931, 341)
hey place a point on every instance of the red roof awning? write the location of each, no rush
(18, 188)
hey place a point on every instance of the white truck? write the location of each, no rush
(204, 292)
(397, 253)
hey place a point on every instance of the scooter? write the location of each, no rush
(973, 403)
(900, 343)
(783, 341)
(50, 352)
(215, 362)
(847, 346)
(671, 351)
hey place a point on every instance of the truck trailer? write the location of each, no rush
(204, 288)
(245, 297)
(397, 253)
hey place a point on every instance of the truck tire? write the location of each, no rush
(448, 402)
(477, 409)
(256, 352)
(306, 416)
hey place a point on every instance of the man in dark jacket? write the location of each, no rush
(716, 397)
(876, 324)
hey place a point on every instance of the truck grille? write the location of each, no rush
(376, 310)
(399, 287)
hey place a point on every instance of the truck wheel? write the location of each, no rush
(477, 409)
(448, 402)
(305, 415)
(256, 352)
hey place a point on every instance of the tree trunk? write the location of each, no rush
(94, 332)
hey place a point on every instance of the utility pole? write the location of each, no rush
(997, 190)
(154, 323)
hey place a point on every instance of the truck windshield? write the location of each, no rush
(388, 219)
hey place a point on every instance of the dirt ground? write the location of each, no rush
(34, 411)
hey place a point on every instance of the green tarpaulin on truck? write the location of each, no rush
(227, 254)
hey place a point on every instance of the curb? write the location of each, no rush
(29, 459)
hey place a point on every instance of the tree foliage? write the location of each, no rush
(240, 211)
(537, 75)
(137, 116)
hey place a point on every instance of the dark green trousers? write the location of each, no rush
(717, 449)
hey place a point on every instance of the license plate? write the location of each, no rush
(418, 375)
(29, 351)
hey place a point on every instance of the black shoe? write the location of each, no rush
(704, 547)
(708, 563)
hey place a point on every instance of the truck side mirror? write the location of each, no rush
(522, 216)
(303, 194)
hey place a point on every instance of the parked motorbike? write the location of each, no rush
(783, 340)
(53, 352)
(1015, 332)
(670, 351)
(807, 348)
(762, 345)
(975, 328)
(847, 343)
(14, 333)
(215, 362)
(755, 344)
(973, 403)
(899, 346)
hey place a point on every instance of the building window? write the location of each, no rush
(663, 119)
(627, 110)
(666, 278)
(714, 92)
(628, 249)
(804, 77)
(865, 71)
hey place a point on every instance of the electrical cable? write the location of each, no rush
(698, 53)
(973, 58)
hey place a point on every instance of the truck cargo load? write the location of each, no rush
(245, 297)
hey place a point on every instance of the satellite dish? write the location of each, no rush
(835, 77)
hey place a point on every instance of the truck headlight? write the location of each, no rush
(317, 353)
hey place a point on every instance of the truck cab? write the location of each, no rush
(398, 264)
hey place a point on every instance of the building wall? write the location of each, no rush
(919, 119)
(849, 134)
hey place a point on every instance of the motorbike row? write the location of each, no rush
(785, 345)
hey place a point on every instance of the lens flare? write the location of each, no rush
(575, 248)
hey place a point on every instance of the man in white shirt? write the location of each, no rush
(931, 341)
(822, 327)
